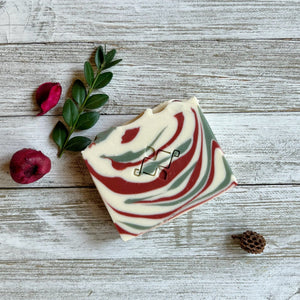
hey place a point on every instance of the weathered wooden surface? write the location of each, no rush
(260, 147)
(191, 278)
(61, 243)
(71, 223)
(154, 20)
(227, 76)
(241, 59)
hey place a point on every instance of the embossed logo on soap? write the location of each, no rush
(159, 161)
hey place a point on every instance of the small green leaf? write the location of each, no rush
(99, 57)
(103, 80)
(70, 112)
(59, 134)
(78, 91)
(96, 101)
(111, 64)
(87, 120)
(78, 143)
(110, 55)
(88, 73)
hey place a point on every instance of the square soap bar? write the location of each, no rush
(158, 166)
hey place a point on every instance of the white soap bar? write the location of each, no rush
(156, 167)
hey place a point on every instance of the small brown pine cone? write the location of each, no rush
(251, 242)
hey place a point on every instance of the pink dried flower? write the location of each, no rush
(29, 165)
(47, 96)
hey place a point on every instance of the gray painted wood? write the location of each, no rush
(191, 277)
(261, 148)
(241, 59)
(132, 20)
(227, 76)
(61, 243)
(72, 223)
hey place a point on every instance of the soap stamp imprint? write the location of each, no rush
(160, 160)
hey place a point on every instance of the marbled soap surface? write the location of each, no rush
(163, 163)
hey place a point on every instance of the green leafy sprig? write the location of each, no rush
(77, 112)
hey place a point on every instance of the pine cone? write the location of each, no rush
(251, 242)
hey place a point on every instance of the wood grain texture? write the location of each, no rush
(195, 277)
(60, 243)
(261, 148)
(241, 59)
(72, 223)
(131, 20)
(227, 76)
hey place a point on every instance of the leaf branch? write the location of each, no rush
(77, 112)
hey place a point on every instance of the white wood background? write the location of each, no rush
(241, 59)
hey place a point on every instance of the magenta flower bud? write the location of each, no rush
(47, 96)
(29, 165)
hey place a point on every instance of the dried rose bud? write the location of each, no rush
(47, 96)
(29, 165)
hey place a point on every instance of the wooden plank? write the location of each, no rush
(194, 277)
(227, 76)
(72, 223)
(68, 20)
(62, 236)
(241, 59)
(261, 148)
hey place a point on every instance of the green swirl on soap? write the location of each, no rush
(182, 149)
(135, 226)
(209, 137)
(132, 156)
(104, 135)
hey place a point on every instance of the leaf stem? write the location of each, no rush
(80, 110)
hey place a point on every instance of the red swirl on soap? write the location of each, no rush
(157, 167)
